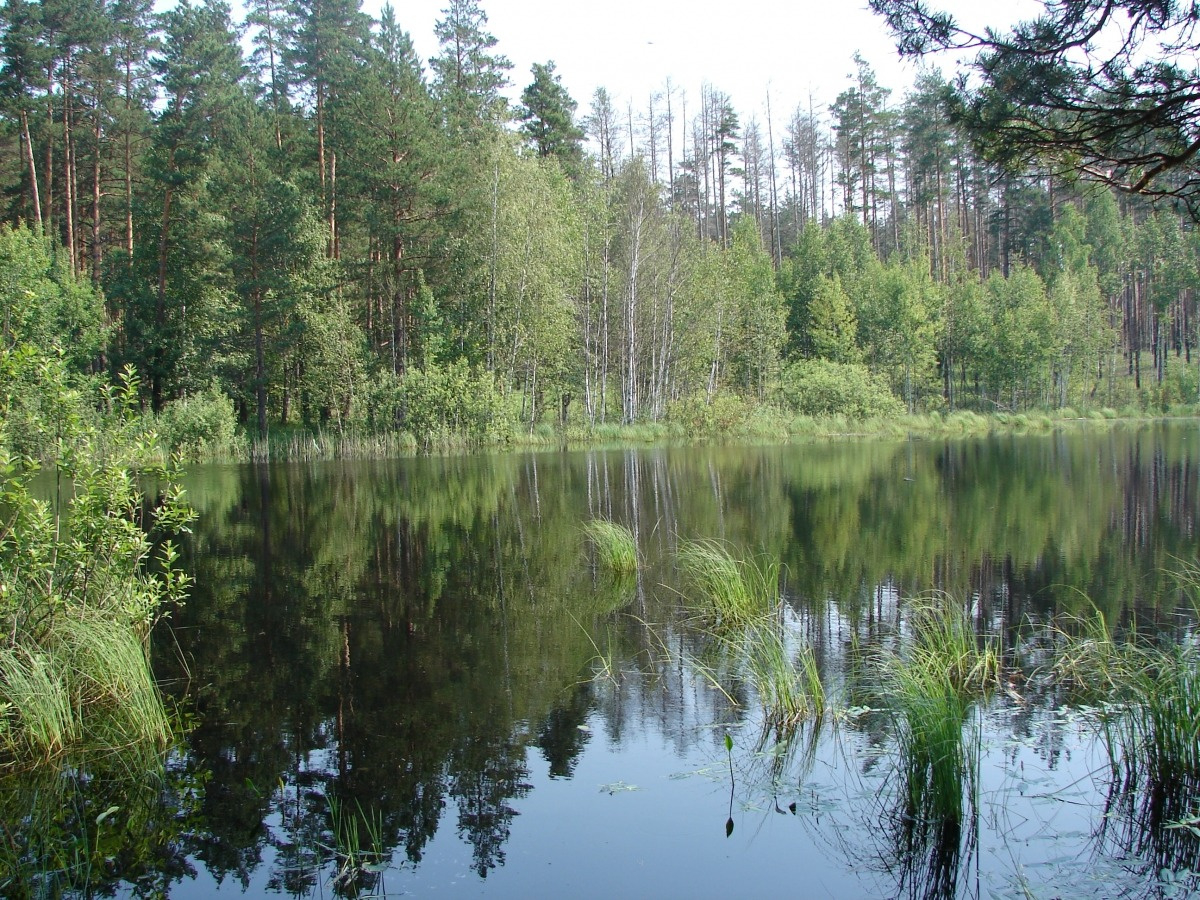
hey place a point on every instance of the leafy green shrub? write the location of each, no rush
(444, 404)
(203, 425)
(818, 387)
(81, 584)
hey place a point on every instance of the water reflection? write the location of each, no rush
(407, 638)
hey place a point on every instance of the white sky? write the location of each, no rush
(790, 47)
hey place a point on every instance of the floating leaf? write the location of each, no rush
(618, 787)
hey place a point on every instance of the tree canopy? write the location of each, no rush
(1105, 89)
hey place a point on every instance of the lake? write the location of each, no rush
(414, 676)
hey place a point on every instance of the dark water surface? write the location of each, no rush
(426, 651)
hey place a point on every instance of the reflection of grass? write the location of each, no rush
(615, 545)
(76, 830)
(731, 592)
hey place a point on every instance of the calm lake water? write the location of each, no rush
(424, 651)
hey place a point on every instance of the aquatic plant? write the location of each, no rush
(86, 683)
(936, 764)
(615, 546)
(930, 688)
(942, 639)
(730, 592)
(789, 687)
(359, 849)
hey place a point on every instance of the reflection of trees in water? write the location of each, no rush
(400, 634)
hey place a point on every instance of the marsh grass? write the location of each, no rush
(1144, 700)
(789, 685)
(359, 850)
(942, 639)
(616, 549)
(937, 749)
(728, 592)
(85, 686)
(930, 689)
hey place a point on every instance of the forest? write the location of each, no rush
(295, 222)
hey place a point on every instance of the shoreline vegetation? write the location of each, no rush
(754, 426)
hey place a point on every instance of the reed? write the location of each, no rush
(937, 768)
(358, 847)
(943, 640)
(730, 592)
(616, 549)
(38, 722)
(1147, 702)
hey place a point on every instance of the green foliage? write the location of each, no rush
(81, 583)
(816, 387)
(201, 426)
(615, 546)
(452, 404)
(833, 327)
(548, 118)
(43, 304)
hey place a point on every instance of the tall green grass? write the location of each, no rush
(728, 592)
(788, 684)
(930, 688)
(1144, 700)
(1148, 702)
(85, 686)
(616, 549)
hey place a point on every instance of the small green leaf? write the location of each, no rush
(108, 812)
(728, 745)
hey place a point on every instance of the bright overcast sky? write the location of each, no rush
(793, 48)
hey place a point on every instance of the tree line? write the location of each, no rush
(295, 220)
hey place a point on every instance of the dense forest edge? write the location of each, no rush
(304, 240)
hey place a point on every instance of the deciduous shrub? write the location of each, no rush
(818, 387)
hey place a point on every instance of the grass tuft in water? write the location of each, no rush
(789, 687)
(730, 592)
(930, 688)
(360, 851)
(87, 683)
(943, 640)
(1148, 699)
(615, 546)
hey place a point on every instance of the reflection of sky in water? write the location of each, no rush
(644, 815)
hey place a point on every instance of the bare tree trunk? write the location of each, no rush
(31, 165)
(96, 191)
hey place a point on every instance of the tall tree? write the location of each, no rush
(467, 76)
(1105, 89)
(175, 308)
(547, 115)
